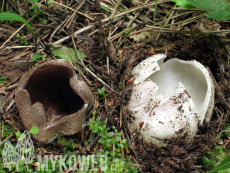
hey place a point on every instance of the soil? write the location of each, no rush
(178, 156)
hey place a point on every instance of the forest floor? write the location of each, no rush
(115, 37)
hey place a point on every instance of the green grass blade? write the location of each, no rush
(15, 17)
(225, 164)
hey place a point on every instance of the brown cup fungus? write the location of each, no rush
(54, 98)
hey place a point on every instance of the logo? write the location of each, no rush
(23, 153)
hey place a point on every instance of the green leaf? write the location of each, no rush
(64, 52)
(22, 136)
(18, 134)
(102, 92)
(108, 140)
(34, 130)
(101, 140)
(36, 56)
(219, 14)
(2, 79)
(126, 32)
(15, 17)
(68, 142)
(28, 150)
(49, 2)
(110, 134)
(211, 5)
(124, 141)
(117, 139)
(23, 42)
(225, 164)
(103, 134)
(220, 9)
(183, 3)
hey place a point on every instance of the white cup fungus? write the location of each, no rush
(170, 98)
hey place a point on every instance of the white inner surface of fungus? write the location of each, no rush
(179, 95)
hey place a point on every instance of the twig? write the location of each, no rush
(134, 164)
(100, 80)
(167, 30)
(6, 140)
(57, 29)
(73, 167)
(219, 93)
(73, 10)
(24, 38)
(185, 22)
(3, 5)
(120, 33)
(105, 20)
(132, 147)
(69, 21)
(227, 143)
(170, 16)
(9, 163)
(22, 47)
(91, 143)
(82, 63)
(10, 105)
(122, 150)
(115, 8)
(223, 131)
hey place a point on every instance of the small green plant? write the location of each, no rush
(68, 144)
(103, 93)
(223, 167)
(126, 32)
(227, 132)
(36, 9)
(38, 57)
(105, 9)
(33, 130)
(2, 80)
(22, 42)
(219, 159)
(94, 113)
(112, 146)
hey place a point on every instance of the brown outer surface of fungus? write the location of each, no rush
(53, 98)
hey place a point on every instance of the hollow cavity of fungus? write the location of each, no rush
(170, 99)
(53, 98)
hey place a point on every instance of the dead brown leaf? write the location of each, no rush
(2, 89)
(19, 56)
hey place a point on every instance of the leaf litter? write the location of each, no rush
(104, 60)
